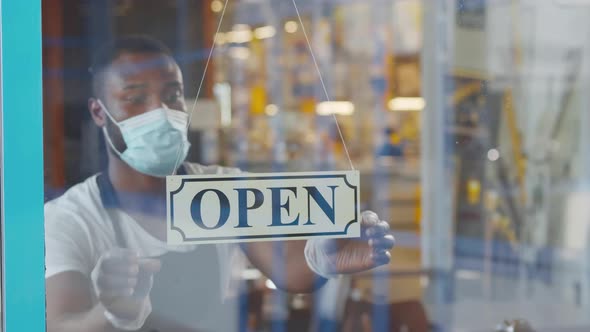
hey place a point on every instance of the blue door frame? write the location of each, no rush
(22, 167)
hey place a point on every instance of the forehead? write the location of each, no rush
(142, 68)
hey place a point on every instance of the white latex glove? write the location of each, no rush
(122, 283)
(331, 257)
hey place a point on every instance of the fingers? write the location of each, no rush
(119, 261)
(379, 234)
(379, 237)
(120, 272)
(382, 243)
(379, 229)
(110, 285)
(150, 265)
(109, 296)
(372, 225)
(122, 282)
(116, 284)
(381, 246)
(369, 219)
(381, 257)
(122, 267)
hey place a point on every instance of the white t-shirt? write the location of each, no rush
(78, 230)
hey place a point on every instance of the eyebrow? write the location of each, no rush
(173, 84)
(140, 86)
(135, 86)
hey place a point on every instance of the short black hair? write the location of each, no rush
(113, 49)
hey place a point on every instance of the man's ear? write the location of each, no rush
(97, 113)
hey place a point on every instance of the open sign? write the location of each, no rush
(258, 207)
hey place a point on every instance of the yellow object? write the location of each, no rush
(418, 209)
(473, 191)
(395, 139)
(258, 99)
(308, 105)
(515, 137)
(465, 91)
(503, 225)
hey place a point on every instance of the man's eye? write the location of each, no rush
(136, 99)
(174, 97)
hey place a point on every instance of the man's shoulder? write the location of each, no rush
(195, 169)
(81, 200)
(78, 193)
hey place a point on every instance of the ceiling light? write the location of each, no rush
(493, 154)
(223, 94)
(401, 104)
(335, 107)
(216, 6)
(271, 110)
(220, 38)
(239, 53)
(265, 32)
(241, 33)
(291, 26)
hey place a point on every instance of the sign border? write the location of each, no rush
(256, 177)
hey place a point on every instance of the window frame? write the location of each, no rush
(23, 241)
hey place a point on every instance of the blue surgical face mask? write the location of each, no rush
(156, 140)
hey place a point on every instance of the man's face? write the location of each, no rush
(136, 83)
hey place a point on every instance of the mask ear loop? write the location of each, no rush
(176, 164)
(106, 111)
(108, 138)
(104, 128)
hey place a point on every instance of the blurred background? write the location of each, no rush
(466, 118)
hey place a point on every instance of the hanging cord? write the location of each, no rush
(323, 85)
(176, 164)
(192, 112)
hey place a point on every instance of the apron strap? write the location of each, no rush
(110, 201)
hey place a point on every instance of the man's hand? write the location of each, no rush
(122, 283)
(330, 257)
(370, 251)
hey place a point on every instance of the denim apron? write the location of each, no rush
(186, 294)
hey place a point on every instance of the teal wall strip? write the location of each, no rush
(23, 231)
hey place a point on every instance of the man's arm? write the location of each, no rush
(70, 307)
(284, 263)
(122, 286)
